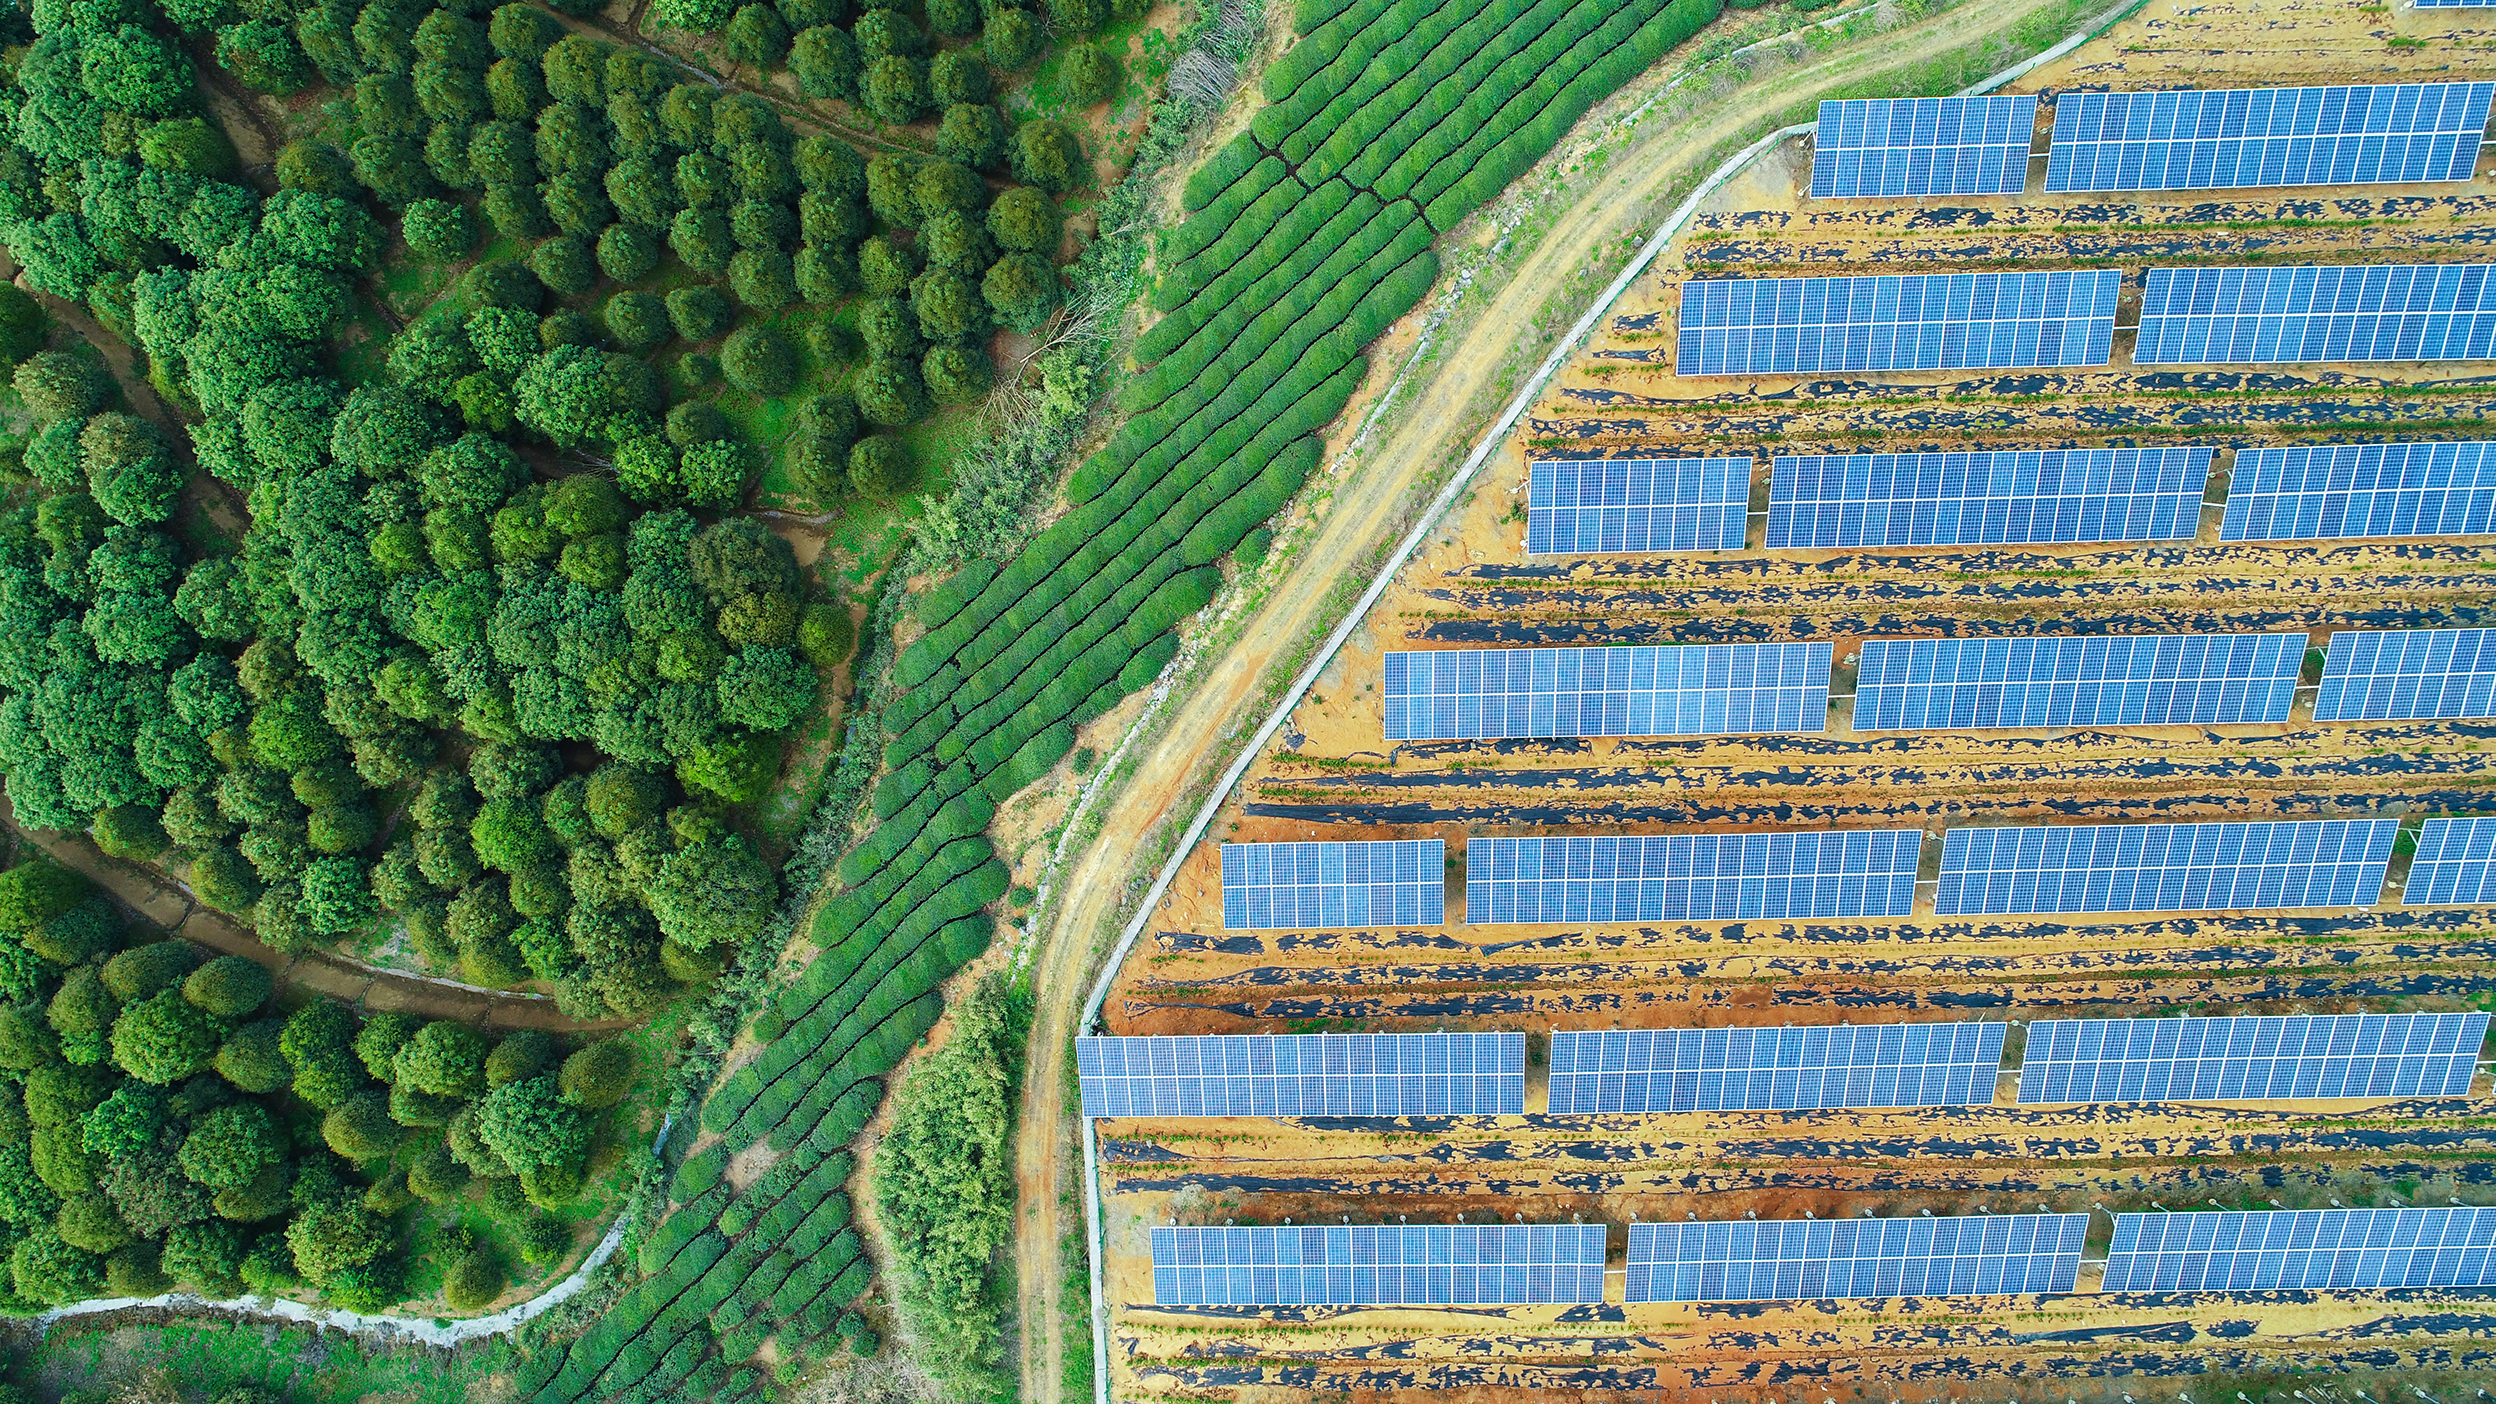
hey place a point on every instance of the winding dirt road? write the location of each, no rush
(1437, 422)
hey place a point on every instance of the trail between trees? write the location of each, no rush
(1435, 424)
(167, 905)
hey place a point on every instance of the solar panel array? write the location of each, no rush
(2451, 4)
(2296, 1057)
(1680, 690)
(2164, 867)
(1691, 877)
(1316, 886)
(2219, 139)
(1378, 1265)
(2261, 316)
(1923, 146)
(1685, 1070)
(2005, 497)
(2408, 674)
(2322, 491)
(2140, 680)
(1409, 1074)
(1917, 321)
(2240, 1251)
(1637, 504)
(2455, 865)
(1811, 1259)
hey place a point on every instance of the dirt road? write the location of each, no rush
(1436, 424)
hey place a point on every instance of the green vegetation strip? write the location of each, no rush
(1388, 124)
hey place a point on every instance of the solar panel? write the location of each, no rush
(2322, 491)
(1896, 322)
(2261, 316)
(2408, 675)
(1678, 690)
(2185, 140)
(2296, 1057)
(2004, 497)
(1388, 1074)
(1812, 1259)
(1923, 146)
(2139, 680)
(1316, 886)
(2451, 4)
(1378, 1265)
(2455, 865)
(2164, 867)
(2265, 1250)
(1637, 504)
(1685, 1070)
(1691, 877)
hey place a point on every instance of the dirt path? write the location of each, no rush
(167, 905)
(1434, 427)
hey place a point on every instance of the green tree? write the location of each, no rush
(263, 54)
(960, 76)
(1022, 289)
(895, 89)
(45, 1268)
(825, 62)
(438, 230)
(599, 1076)
(165, 1038)
(477, 1278)
(762, 279)
(701, 16)
(880, 467)
(252, 1058)
(755, 35)
(758, 360)
(1045, 154)
(360, 1127)
(958, 375)
(699, 313)
(564, 265)
(972, 134)
(1088, 73)
(1011, 39)
(230, 1146)
(530, 1127)
(944, 1184)
(765, 689)
(443, 1059)
(333, 1237)
(1025, 220)
(628, 253)
(55, 385)
(701, 237)
(523, 31)
(229, 987)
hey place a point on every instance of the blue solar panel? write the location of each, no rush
(2408, 675)
(1315, 886)
(2262, 316)
(2164, 867)
(1684, 1070)
(1637, 504)
(2140, 680)
(2369, 135)
(2451, 4)
(2340, 490)
(1812, 1259)
(2259, 1251)
(1923, 146)
(1378, 1265)
(1679, 690)
(1419, 1074)
(1691, 877)
(2455, 865)
(2295, 1057)
(1916, 321)
(2008, 497)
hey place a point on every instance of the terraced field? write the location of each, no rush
(1331, 775)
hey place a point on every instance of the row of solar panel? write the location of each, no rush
(2265, 865)
(2249, 1059)
(1935, 685)
(1821, 1259)
(2012, 497)
(2027, 319)
(2364, 134)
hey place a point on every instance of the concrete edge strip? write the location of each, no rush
(1447, 497)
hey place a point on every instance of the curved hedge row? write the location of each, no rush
(1311, 233)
